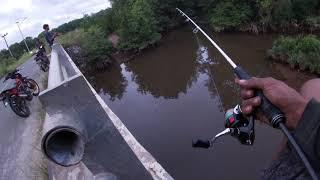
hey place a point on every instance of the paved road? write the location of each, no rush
(20, 156)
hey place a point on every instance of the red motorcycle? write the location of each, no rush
(17, 93)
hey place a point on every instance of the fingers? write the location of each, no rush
(253, 83)
(246, 93)
(248, 105)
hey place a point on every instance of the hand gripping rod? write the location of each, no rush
(274, 115)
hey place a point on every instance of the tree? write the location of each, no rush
(96, 45)
(4, 54)
(304, 8)
(140, 30)
(230, 14)
(18, 49)
(31, 42)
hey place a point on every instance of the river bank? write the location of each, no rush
(300, 52)
(170, 94)
(293, 77)
(176, 88)
(289, 74)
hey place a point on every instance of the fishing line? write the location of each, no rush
(273, 114)
(206, 65)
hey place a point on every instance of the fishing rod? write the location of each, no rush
(239, 126)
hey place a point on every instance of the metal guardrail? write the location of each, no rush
(55, 72)
(63, 140)
(78, 120)
(58, 67)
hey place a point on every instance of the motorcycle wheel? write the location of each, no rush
(33, 86)
(44, 65)
(19, 106)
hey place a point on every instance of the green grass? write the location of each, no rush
(9, 65)
(72, 38)
(302, 52)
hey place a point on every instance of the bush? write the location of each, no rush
(300, 51)
(230, 14)
(282, 12)
(138, 30)
(96, 45)
(304, 8)
(72, 38)
(313, 21)
(96, 49)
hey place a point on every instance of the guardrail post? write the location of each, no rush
(55, 73)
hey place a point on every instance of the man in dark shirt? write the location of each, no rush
(49, 36)
(302, 111)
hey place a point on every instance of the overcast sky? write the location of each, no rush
(39, 12)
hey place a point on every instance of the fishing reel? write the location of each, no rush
(237, 125)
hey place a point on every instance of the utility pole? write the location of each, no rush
(22, 34)
(5, 40)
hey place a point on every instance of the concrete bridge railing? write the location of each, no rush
(79, 126)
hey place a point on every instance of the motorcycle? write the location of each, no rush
(42, 60)
(25, 85)
(16, 94)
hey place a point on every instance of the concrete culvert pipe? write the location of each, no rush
(64, 146)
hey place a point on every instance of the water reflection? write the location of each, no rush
(111, 82)
(203, 56)
(167, 70)
(168, 96)
(205, 64)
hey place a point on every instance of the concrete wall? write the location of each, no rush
(110, 147)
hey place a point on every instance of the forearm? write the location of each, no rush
(307, 135)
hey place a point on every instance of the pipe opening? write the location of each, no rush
(64, 146)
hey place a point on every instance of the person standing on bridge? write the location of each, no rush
(49, 36)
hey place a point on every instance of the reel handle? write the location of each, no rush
(274, 115)
(201, 144)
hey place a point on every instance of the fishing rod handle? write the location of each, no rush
(274, 115)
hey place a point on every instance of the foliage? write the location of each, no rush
(230, 14)
(166, 16)
(92, 41)
(139, 23)
(96, 45)
(138, 30)
(102, 19)
(17, 49)
(265, 13)
(313, 21)
(10, 64)
(300, 51)
(282, 12)
(75, 37)
(304, 8)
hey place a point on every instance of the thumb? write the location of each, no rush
(253, 83)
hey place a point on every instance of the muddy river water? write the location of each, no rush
(177, 92)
